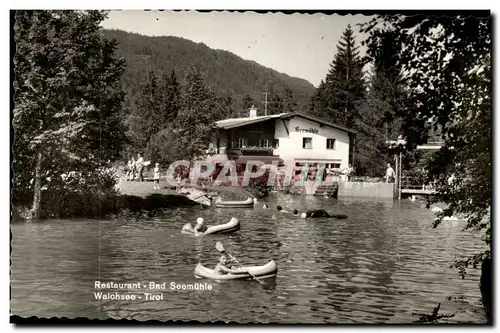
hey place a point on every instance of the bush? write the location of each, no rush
(77, 194)
(259, 185)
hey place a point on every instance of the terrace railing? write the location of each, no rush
(412, 185)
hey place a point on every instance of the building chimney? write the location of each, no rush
(253, 111)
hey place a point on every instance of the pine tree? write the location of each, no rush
(194, 124)
(344, 83)
(274, 101)
(165, 111)
(289, 101)
(381, 109)
(148, 117)
(67, 101)
(319, 102)
(170, 103)
(224, 107)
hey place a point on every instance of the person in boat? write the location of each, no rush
(200, 227)
(225, 266)
(315, 213)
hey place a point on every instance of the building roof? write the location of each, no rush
(238, 122)
(318, 120)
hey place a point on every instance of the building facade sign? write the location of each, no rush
(306, 130)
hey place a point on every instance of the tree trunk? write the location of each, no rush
(487, 289)
(37, 195)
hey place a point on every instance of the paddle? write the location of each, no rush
(202, 204)
(220, 248)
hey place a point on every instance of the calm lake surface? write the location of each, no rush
(381, 265)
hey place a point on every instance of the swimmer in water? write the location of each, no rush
(315, 213)
(265, 206)
(295, 212)
(280, 209)
(321, 213)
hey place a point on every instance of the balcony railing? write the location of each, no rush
(251, 150)
(242, 150)
(256, 149)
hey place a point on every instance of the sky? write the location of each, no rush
(300, 45)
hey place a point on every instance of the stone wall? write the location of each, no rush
(366, 190)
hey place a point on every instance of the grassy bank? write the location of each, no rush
(129, 198)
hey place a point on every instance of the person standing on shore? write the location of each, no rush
(156, 185)
(389, 174)
(350, 171)
(128, 169)
(139, 164)
(131, 169)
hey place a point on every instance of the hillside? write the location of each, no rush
(224, 71)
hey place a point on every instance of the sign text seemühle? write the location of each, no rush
(306, 130)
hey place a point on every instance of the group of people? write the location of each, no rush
(135, 169)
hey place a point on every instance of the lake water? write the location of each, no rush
(381, 265)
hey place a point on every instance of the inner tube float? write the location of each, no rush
(266, 271)
(234, 204)
(232, 226)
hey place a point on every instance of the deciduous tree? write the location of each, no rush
(67, 100)
(447, 63)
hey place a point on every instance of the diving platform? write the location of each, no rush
(417, 191)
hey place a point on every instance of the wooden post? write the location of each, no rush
(396, 178)
(400, 174)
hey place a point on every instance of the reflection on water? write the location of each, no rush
(380, 265)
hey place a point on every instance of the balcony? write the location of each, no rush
(253, 150)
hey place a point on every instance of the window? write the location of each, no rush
(239, 143)
(330, 143)
(264, 143)
(332, 165)
(307, 143)
(276, 143)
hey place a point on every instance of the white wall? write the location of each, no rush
(222, 135)
(290, 146)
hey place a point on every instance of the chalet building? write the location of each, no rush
(289, 139)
